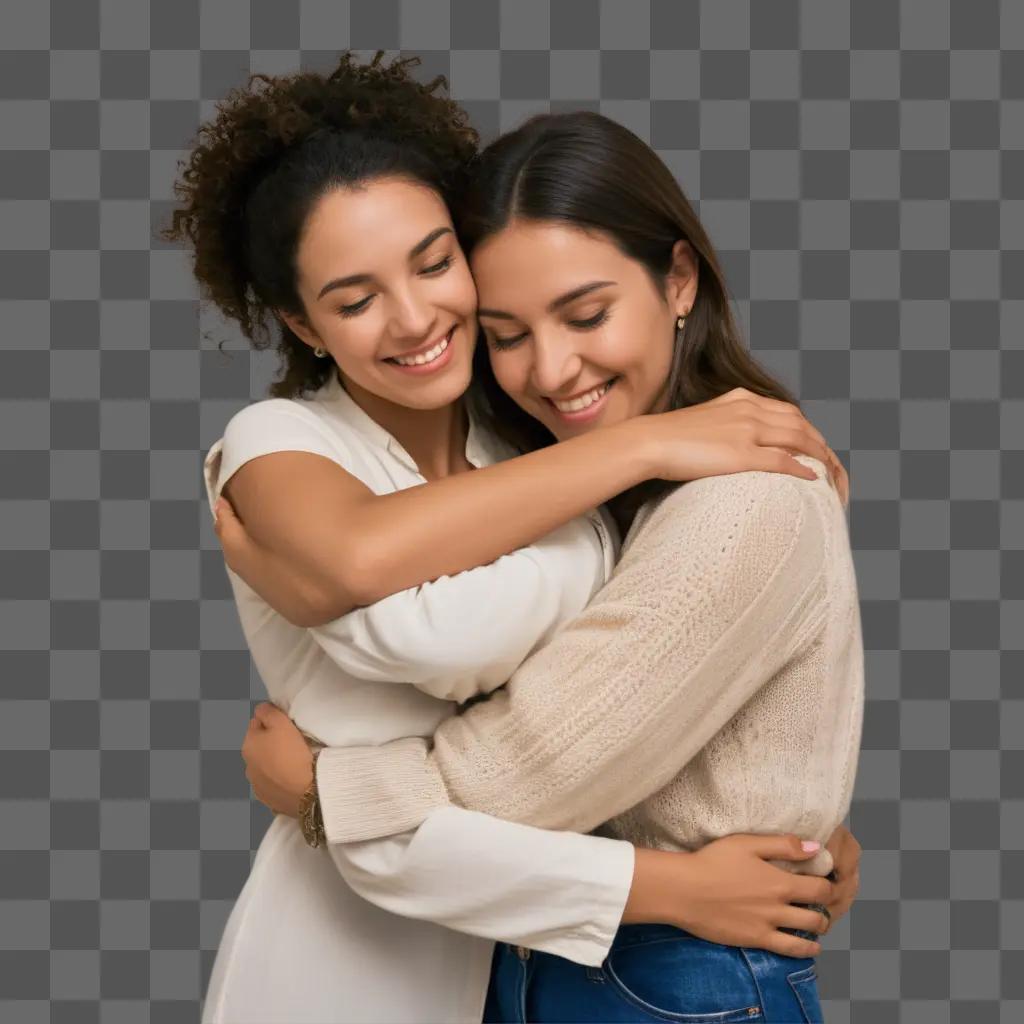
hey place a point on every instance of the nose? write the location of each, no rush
(556, 363)
(411, 315)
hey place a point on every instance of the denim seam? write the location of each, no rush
(667, 1015)
(753, 974)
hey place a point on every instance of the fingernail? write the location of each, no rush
(810, 846)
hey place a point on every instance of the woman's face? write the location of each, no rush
(578, 333)
(387, 292)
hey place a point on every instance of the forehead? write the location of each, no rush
(378, 219)
(530, 261)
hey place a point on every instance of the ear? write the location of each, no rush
(682, 278)
(299, 326)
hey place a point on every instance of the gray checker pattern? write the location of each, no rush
(860, 166)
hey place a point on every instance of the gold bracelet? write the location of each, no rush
(311, 817)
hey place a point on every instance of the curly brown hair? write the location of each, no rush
(278, 144)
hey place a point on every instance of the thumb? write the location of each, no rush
(267, 714)
(223, 512)
(786, 847)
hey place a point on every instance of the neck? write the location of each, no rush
(434, 438)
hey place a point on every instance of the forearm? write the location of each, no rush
(455, 638)
(418, 534)
(589, 753)
(552, 891)
(655, 873)
(621, 699)
(296, 595)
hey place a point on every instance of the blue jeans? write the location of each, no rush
(654, 972)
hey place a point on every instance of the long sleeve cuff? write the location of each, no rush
(604, 879)
(370, 792)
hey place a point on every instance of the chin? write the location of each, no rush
(445, 394)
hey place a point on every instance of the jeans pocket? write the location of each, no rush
(805, 987)
(686, 980)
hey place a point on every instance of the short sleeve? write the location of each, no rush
(276, 425)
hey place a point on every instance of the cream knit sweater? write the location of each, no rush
(714, 685)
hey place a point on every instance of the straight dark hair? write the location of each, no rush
(588, 171)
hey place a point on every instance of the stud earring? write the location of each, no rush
(319, 352)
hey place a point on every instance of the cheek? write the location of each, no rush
(648, 352)
(510, 371)
(460, 289)
(352, 340)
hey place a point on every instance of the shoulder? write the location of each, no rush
(266, 428)
(748, 519)
(282, 424)
(271, 414)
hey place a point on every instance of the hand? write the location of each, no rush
(737, 432)
(727, 892)
(278, 761)
(275, 581)
(845, 852)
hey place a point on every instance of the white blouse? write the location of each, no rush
(395, 669)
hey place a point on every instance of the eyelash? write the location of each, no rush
(501, 344)
(433, 271)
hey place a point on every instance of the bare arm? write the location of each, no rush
(574, 887)
(355, 547)
(621, 699)
(343, 546)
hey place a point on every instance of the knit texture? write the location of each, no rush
(714, 685)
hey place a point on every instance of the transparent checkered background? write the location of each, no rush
(859, 166)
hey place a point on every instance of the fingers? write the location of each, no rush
(223, 511)
(804, 918)
(268, 714)
(784, 413)
(791, 945)
(783, 847)
(844, 896)
(840, 478)
(780, 460)
(794, 438)
(812, 889)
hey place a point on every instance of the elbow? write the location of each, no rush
(354, 583)
(317, 605)
(366, 577)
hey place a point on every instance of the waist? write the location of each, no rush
(631, 935)
(642, 934)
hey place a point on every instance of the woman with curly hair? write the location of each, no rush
(321, 205)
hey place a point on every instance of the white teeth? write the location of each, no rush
(424, 357)
(584, 401)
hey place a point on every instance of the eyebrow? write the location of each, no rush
(416, 250)
(554, 305)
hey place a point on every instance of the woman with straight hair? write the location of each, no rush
(713, 686)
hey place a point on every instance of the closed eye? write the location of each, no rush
(356, 307)
(439, 268)
(595, 321)
(436, 269)
(505, 343)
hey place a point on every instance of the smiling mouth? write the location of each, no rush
(423, 358)
(582, 402)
